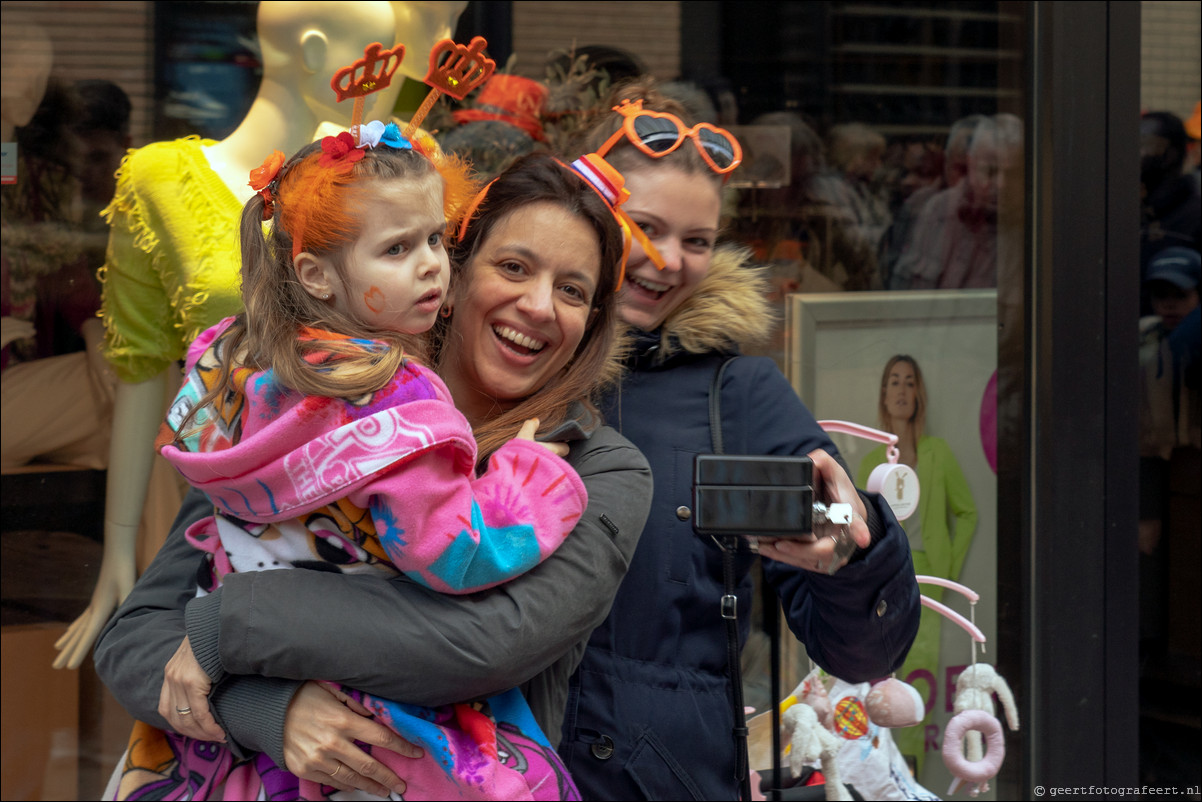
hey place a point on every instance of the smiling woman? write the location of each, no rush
(652, 706)
(324, 445)
(534, 321)
(528, 297)
(679, 212)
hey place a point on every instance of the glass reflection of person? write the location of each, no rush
(941, 530)
(965, 235)
(56, 397)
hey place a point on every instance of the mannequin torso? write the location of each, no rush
(174, 264)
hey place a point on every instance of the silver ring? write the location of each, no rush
(334, 776)
(184, 711)
(834, 540)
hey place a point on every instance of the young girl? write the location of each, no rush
(325, 444)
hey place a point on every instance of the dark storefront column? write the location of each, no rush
(1071, 587)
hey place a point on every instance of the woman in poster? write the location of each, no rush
(940, 532)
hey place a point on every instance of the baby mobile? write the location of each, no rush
(815, 730)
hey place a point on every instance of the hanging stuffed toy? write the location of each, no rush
(975, 722)
(893, 703)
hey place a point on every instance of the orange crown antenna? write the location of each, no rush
(369, 74)
(465, 69)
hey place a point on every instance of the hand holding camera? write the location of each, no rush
(772, 500)
(833, 542)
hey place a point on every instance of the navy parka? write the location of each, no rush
(649, 709)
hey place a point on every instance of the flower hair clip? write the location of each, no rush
(376, 133)
(264, 180)
(361, 78)
(340, 151)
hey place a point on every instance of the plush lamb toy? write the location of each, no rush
(975, 718)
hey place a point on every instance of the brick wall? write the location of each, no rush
(1170, 41)
(649, 30)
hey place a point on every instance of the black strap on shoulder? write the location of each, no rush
(729, 607)
(716, 406)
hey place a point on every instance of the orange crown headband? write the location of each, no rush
(465, 69)
(357, 80)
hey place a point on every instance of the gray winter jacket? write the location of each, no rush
(262, 634)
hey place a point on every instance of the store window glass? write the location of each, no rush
(208, 68)
(82, 84)
(1170, 414)
(895, 235)
(883, 187)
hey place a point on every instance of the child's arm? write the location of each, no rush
(457, 533)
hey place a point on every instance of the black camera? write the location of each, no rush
(754, 496)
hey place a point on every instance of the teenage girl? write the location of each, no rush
(325, 443)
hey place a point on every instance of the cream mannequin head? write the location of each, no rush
(419, 25)
(27, 58)
(304, 44)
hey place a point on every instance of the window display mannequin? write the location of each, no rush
(172, 269)
(420, 25)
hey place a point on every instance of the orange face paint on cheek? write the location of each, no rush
(374, 299)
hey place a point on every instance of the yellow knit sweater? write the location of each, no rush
(172, 265)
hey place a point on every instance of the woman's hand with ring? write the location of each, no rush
(818, 555)
(184, 697)
(320, 730)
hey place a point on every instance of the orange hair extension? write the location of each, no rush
(316, 194)
(459, 185)
(313, 213)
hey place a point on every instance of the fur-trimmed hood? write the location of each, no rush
(729, 311)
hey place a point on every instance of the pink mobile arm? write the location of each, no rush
(947, 612)
(875, 435)
(968, 593)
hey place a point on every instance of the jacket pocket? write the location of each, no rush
(657, 772)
